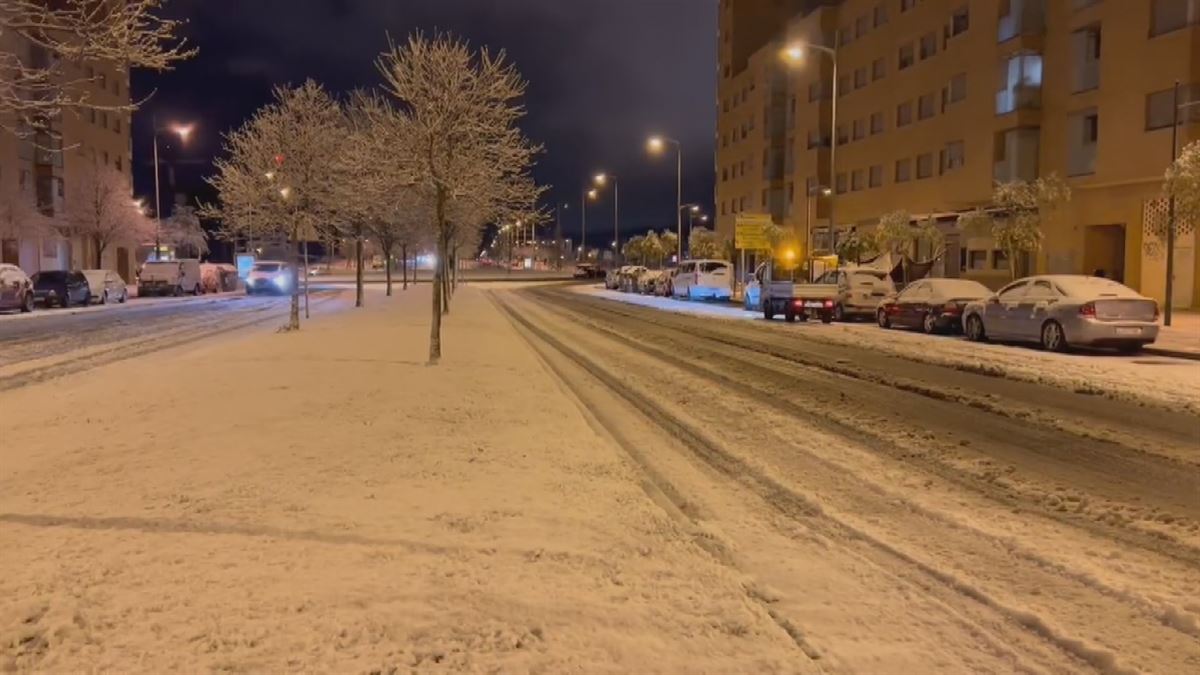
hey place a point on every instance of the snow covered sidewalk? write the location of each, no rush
(325, 502)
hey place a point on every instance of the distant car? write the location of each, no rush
(665, 285)
(270, 277)
(859, 291)
(16, 289)
(612, 278)
(170, 277)
(648, 280)
(62, 288)
(933, 305)
(587, 271)
(1060, 311)
(106, 286)
(627, 278)
(703, 280)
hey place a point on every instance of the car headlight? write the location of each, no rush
(281, 281)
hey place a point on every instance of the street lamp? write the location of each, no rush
(817, 191)
(184, 131)
(588, 193)
(795, 53)
(1170, 286)
(656, 145)
(602, 179)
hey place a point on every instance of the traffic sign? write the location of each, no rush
(750, 232)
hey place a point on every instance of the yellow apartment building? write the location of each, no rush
(937, 99)
(38, 171)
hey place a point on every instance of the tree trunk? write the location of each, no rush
(404, 262)
(99, 253)
(294, 313)
(435, 291)
(1012, 265)
(358, 262)
(305, 245)
(443, 262)
(387, 266)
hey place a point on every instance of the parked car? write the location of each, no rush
(106, 286)
(859, 291)
(16, 289)
(61, 288)
(270, 277)
(588, 271)
(703, 280)
(775, 288)
(648, 280)
(627, 279)
(1063, 311)
(666, 285)
(612, 278)
(933, 305)
(170, 277)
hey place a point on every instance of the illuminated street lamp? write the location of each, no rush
(588, 193)
(602, 179)
(796, 53)
(184, 131)
(656, 145)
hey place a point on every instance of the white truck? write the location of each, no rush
(170, 277)
(778, 289)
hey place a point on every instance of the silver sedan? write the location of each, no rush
(1061, 311)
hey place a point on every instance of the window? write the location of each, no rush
(906, 56)
(1000, 261)
(860, 129)
(742, 204)
(925, 107)
(116, 124)
(904, 114)
(844, 37)
(842, 138)
(1085, 63)
(840, 183)
(722, 207)
(843, 84)
(814, 139)
(814, 91)
(1171, 15)
(957, 90)
(1159, 104)
(724, 140)
(879, 15)
(810, 185)
(105, 158)
(977, 260)
(928, 45)
(875, 176)
(953, 156)
(104, 119)
(960, 21)
(119, 167)
(878, 69)
(924, 165)
(791, 192)
(724, 174)
(860, 26)
(764, 199)
(906, 5)
(725, 105)
(860, 77)
(92, 115)
(903, 170)
(103, 81)
(876, 123)
(856, 180)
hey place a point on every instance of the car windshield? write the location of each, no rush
(1085, 287)
(959, 288)
(712, 266)
(51, 277)
(267, 267)
(867, 278)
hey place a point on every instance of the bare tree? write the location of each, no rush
(101, 209)
(41, 76)
(278, 178)
(463, 141)
(184, 231)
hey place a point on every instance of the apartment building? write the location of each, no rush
(37, 171)
(936, 99)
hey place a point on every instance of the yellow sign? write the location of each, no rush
(750, 232)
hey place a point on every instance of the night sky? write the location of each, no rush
(603, 74)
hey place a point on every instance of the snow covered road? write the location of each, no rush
(1009, 524)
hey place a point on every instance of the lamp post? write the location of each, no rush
(602, 179)
(692, 210)
(795, 53)
(184, 131)
(1176, 106)
(817, 191)
(588, 193)
(656, 144)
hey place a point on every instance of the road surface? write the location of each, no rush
(883, 497)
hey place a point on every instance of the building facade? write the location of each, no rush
(938, 99)
(38, 171)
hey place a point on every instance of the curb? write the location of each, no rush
(1172, 353)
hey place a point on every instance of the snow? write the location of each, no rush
(1160, 381)
(323, 501)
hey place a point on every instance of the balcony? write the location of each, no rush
(1086, 76)
(1020, 97)
(1024, 17)
(1016, 155)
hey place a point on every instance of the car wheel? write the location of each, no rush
(789, 316)
(27, 303)
(768, 310)
(839, 313)
(104, 298)
(87, 299)
(929, 323)
(124, 297)
(196, 290)
(882, 319)
(1053, 338)
(826, 317)
(974, 329)
(178, 291)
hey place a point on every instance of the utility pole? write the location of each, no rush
(1171, 212)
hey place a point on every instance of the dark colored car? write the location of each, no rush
(932, 305)
(61, 288)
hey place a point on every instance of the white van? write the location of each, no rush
(170, 277)
(704, 280)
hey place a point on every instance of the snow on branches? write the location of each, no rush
(100, 208)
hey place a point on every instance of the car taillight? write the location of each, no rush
(828, 304)
(951, 308)
(797, 303)
(1087, 309)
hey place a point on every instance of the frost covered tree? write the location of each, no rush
(42, 82)
(1022, 209)
(653, 249)
(669, 241)
(634, 251)
(703, 243)
(894, 233)
(278, 180)
(1182, 183)
(462, 143)
(100, 209)
(184, 231)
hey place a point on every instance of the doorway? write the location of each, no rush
(1104, 251)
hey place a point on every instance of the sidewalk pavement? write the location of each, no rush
(323, 501)
(1181, 338)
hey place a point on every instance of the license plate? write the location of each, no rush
(814, 305)
(1129, 331)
